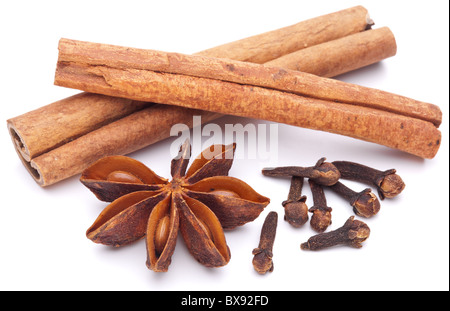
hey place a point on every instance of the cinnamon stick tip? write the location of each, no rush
(23, 153)
(434, 146)
(393, 42)
(18, 141)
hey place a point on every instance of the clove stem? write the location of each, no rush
(295, 190)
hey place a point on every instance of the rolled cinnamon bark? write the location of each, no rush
(85, 63)
(121, 137)
(335, 57)
(33, 140)
(54, 125)
(252, 90)
(271, 45)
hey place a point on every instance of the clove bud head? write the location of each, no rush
(296, 212)
(325, 173)
(391, 186)
(358, 232)
(366, 204)
(321, 219)
(262, 262)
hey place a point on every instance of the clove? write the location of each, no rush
(321, 217)
(364, 203)
(262, 260)
(388, 183)
(323, 173)
(295, 209)
(353, 233)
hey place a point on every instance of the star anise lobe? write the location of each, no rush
(125, 220)
(220, 192)
(126, 175)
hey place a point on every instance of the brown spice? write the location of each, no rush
(359, 50)
(364, 203)
(262, 260)
(66, 120)
(273, 44)
(323, 173)
(295, 209)
(120, 68)
(321, 218)
(353, 233)
(388, 183)
(242, 89)
(199, 202)
(121, 137)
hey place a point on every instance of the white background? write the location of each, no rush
(42, 231)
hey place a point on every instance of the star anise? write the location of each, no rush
(199, 203)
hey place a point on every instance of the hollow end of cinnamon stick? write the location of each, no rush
(18, 142)
(23, 153)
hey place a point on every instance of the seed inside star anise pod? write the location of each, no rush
(199, 204)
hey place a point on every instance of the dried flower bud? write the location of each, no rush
(323, 173)
(321, 219)
(366, 204)
(262, 260)
(391, 185)
(388, 183)
(295, 213)
(352, 233)
(327, 174)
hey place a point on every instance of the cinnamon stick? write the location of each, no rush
(327, 59)
(251, 90)
(103, 63)
(36, 142)
(271, 45)
(121, 137)
(54, 125)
